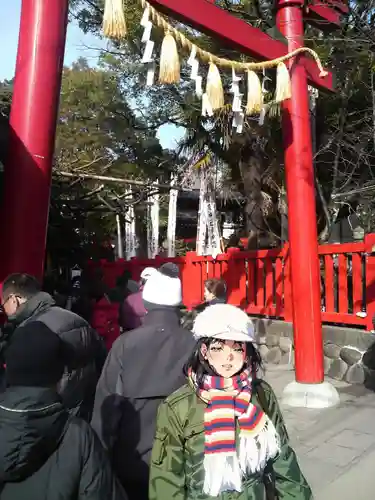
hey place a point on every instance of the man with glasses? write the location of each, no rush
(23, 302)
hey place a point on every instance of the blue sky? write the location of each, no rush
(78, 45)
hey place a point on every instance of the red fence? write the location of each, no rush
(260, 281)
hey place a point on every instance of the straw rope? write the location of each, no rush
(206, 56)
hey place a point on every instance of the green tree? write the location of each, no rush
(98, 134)
(343, 127)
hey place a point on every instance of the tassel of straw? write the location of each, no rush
(254, 94)
(214, 87)
(283, 85)
(169, 71)
(114, 25)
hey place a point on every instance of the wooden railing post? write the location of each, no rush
(370, 280)
(236, 279)
(287, 278)
(190, 277)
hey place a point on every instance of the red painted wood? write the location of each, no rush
(32, 128)
(370, 280)
(357, 277)
(329, 283)
(342, 248)
(236, 279)
(259, 279)
(288, 299)
(278, 286)
(343, 283)
(214, 21)
(251, 281)
(244, 278)
(269, 289)
(322, 16)
(302, 227)
(340, 5)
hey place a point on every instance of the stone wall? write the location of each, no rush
(344, 348)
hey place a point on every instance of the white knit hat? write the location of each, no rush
(147, 272)
(224, 322)
(162, 290)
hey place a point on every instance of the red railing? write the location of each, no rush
(260, 281)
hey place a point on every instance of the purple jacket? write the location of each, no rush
(132, 311)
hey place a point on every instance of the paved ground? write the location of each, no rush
(335, 447)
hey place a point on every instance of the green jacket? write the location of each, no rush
(176, 469)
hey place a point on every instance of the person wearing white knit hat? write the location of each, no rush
(222, 434)
(144, 366)
(162, 289)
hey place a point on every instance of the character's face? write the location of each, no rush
(10, 304)
(208, 295)
(226, 357)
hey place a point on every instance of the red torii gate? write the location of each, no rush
(33, 124)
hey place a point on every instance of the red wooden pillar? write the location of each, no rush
(300, 184)
(27, 176)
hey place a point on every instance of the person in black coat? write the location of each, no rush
(44, 451)
(24, 302)
(143, 367)
(215, 292)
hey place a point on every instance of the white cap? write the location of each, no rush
(147, 272)
(162, 290)
(224, 322)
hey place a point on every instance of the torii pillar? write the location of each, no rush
(27, 175)
(309, 389)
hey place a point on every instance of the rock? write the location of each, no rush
(350, 355)
(369, 357)
(356, 374)
(263, 351)
(332, 351)
(272, 340)
(262, 340)
(285, 344)
(286, 358)
(327, 364)
(338, 369)
(274, 355)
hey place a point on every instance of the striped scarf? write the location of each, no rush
(229, 403)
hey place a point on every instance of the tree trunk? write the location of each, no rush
(251, 172)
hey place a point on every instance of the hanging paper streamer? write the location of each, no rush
(153, 226)
(213, 247)
(147, 57)
(114, 26)
(206, 106)
(130, 233)
(172, 217)
(208, 237)
(202, 219)
(238, 121)
(193, 62)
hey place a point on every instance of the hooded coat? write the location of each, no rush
(45, 454)
(85, 352)
(142, 369)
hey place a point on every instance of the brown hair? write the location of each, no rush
(217, 287)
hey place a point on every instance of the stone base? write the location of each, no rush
(322, 395)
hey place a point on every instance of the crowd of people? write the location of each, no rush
(173, 408)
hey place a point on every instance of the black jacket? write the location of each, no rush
(85, 351)
(142, 369)
(46, 454)
(188, 317)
